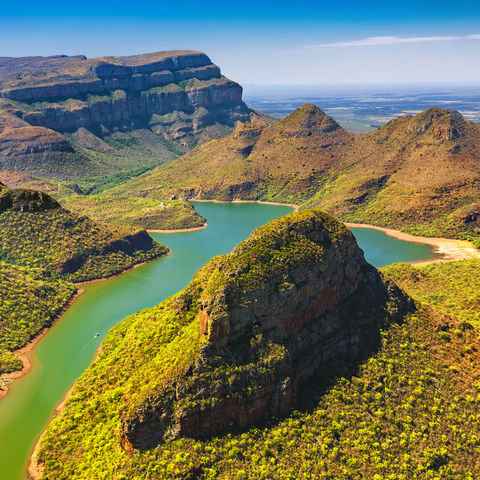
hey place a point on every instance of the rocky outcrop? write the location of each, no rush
(180, 96)
(469, 216)
(447, 124)
(286, 303)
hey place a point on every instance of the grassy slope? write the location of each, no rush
(38, 239)
(257, 161)
(420, 174)
(452, 288)
(138, 212)
(81, 156)
(47, 239)
(117, 209)
(28, 302)
(410, 411)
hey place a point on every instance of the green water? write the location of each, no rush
(70, 345)
(381, 250)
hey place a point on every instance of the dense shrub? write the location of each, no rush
(28, 302)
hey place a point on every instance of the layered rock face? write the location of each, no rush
(179, 96)
(294, 297)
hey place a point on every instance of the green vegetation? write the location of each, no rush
(411, 410)
(152, 349)
(73, 247)
(98, 185)
(139, 212)
(417, 173)
(87, 128)
(29, 301)
(452, 287)
(448, 219)
(41, 247)
(117, 209)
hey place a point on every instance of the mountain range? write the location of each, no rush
(420, 173)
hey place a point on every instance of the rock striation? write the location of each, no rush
(296, 296)
(47, 103)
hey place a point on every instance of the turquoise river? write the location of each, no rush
(68, 348)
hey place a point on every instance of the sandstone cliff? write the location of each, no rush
(285, 303)
(56, 112)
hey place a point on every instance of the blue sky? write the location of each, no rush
(254, 42)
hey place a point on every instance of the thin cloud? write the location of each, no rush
(390, 40)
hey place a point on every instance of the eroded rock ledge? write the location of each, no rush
(52, 108)
(294, 297)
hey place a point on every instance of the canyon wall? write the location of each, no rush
(65, 110)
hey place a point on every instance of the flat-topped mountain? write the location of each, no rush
(77, 117)
(419, 172)
(233, 349)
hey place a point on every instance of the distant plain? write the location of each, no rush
(361, 109)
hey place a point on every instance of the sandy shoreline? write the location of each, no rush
(292, 205)
(25, 352)
(179, 230)
(448, 249)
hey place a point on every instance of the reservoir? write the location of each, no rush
(69, 347)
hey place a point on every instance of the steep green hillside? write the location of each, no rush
(410, 411)
(291, 305)
(29, 301)
(417, 173)
(36, 232)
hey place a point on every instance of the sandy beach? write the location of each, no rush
(179, 230)
(448, 249)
